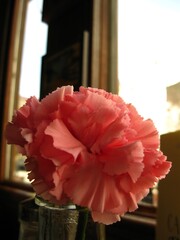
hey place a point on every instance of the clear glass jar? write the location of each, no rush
(57, 222)
(28, 218)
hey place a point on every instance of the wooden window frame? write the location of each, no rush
(104, 73)
(12, 82)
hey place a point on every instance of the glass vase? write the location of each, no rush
(67, 223)
(55, 222)
(28, 219)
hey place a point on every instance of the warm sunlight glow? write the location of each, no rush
(34, 48)
(149, 55)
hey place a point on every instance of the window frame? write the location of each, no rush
(12, 82)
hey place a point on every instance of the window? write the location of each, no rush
(149, 59)
(34, 48)
(28, 48)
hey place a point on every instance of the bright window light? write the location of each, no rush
(149, 57)
(34, 48)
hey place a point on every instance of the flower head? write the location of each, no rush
(88, 147)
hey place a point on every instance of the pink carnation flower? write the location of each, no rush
(90, 148)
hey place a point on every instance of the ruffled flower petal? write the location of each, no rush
(127, 159)
(88, 147)
(63, 139)
(105, 218)
(13, 135)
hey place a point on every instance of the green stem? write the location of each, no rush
(82, 224)
(101, 231)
